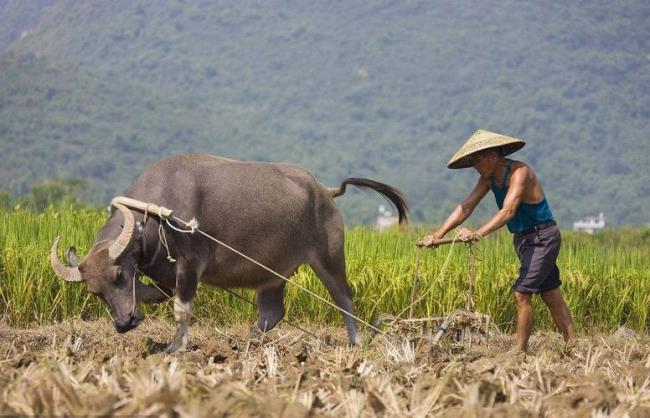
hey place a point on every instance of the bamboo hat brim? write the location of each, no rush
(482, 140)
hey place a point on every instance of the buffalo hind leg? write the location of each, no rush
(185, 293)
(332, 273)
(270, 305)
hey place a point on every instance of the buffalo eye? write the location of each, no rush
(118, 279)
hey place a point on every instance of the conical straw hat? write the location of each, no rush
(482, 140)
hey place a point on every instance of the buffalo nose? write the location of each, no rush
(122, 326)
(126, 324)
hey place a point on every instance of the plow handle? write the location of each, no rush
(442, 242)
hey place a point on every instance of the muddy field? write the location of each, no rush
(84, 368)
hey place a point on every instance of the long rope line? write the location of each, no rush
(193, 225)
(440, 274)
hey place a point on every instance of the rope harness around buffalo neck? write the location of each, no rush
(161, 231)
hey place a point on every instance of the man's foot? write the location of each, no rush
(518, 355)
(569, 348)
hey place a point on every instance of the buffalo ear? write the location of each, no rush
(71, 256)
(69, 274)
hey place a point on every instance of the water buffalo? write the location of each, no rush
(278, 214)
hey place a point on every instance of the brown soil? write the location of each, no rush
(85, 368)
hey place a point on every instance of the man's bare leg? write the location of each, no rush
(559, 311)
(524, 319)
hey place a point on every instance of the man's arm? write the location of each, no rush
(461, 212)
(511, 202)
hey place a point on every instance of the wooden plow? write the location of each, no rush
(463, 326)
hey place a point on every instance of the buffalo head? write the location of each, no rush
(109, 272)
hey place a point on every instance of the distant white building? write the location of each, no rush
(590, 224)
(385, 219)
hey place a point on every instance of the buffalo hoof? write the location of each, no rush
(172, 347)
(256, 332)
(177, 344)
(355, 343)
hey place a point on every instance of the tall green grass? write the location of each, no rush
(606, 277)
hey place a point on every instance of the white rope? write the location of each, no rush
(304, 289)
(135, 272)
(146, 214)
(193, 224)
(163, 241)
(442, 271)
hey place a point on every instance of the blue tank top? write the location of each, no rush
(528, 214)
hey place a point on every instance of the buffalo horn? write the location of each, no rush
(122, 242)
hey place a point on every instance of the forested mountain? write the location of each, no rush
(96, 90)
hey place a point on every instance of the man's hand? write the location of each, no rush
(465, 234)
(428, 241)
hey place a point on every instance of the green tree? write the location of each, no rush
(56, 193)
(5, 200)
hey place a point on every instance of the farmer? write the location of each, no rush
(523, 207)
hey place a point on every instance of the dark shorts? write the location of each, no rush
(537, 252)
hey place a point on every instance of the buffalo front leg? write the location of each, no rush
(270, 304)
(185, 292)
